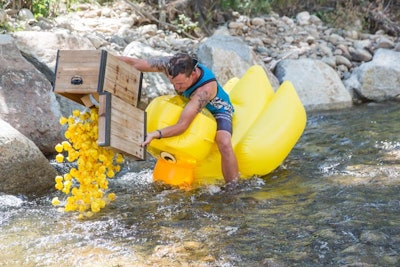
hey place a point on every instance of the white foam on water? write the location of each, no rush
(10, 201)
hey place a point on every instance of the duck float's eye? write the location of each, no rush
(168, 157)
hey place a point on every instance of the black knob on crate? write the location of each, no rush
(76, 80)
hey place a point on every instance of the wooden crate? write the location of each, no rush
(121, 126)
(81, 75)
(95, 77)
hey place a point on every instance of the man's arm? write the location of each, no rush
(147, 65)
(196, 103)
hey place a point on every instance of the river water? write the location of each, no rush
(334, 202)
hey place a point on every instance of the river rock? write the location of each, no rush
(360, 54)
(318, 85)
(228, 57)
(377, 80)
(23, 168)
(26, 98)
(25, 14)
(373, 236)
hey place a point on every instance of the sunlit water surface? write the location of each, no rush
(334, 202)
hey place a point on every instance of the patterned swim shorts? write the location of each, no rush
(224, 121)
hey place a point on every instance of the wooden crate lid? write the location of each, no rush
(122, 80)
(122, 126)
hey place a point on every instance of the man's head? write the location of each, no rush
(182, 71)
(181, 63)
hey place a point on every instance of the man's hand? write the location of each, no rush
(150, 137)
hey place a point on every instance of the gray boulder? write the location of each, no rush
(23, 168)
(318, 85)
(379, 79)
(229, 56)
(26, 98)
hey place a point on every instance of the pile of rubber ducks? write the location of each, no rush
(86, 185)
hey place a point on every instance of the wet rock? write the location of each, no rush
(192, 245)
(373, 237)
(357, 264)
(326, 234)
(23, 168)
(270, 262)
(352, 249)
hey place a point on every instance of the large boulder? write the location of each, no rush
(229, 56)
(23, 167)
(26, 98)
(379, 79)
(318, 85)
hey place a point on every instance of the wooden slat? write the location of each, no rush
(121, 126)
(76, 69)
(90, 100)
(125, 114)
(79, 56)
(122, 80)
(127, 128)
(103, 138)
(86, 101)
(123, 92)
(74, 97)
(127, 117)
(89, 85)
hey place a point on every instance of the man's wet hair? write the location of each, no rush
(181, 63)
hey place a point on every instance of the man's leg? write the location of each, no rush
(229, 164)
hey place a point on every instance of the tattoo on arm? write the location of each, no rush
(203, 100)
(160, 63)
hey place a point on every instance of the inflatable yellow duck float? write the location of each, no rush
(266, 126)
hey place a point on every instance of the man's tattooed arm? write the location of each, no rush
(159, 63)
(203, 98)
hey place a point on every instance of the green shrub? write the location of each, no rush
(248, 7)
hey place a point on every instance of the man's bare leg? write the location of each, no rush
(229, 164)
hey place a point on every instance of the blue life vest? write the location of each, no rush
(221, 103)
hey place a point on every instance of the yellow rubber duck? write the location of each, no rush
(266, 126)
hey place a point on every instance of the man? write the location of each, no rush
(197, 83)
